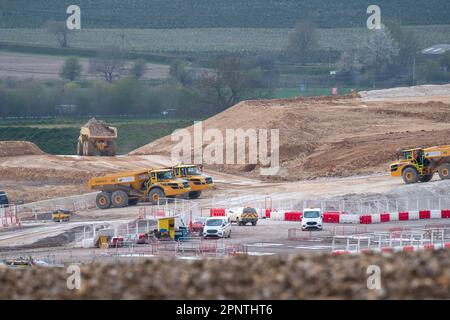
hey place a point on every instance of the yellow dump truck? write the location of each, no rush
(420, 164)
(129, 188)
(96, 137)
(198, 181)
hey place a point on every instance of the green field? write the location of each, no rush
(163, 14)
(60, 136)
(211, 39)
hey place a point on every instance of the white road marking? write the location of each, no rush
(262, 244)
(260, 253)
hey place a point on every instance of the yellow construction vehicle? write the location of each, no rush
(128, 188)
(198, 181)
(97, 137)
(61, 215)
(420, 164)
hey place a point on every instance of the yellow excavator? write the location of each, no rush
(420, 164)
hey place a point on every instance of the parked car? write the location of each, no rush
(219, 227)
(4, 202)
(197, 225)
(312, 219)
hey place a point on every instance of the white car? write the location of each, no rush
(219, 227)
(312, 219)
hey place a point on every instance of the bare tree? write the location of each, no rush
(108, 62)
(229, 83)
(60, 31)
(302, 40)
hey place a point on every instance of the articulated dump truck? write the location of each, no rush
(420, 164)
(128, 188)
(198, 181)
(96, 137)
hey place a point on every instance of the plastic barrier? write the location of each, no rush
(393, 216)
(445, 214)
(217, 212)
(403, 216)
(331, 217)
(277, 215)
(292, 216)
(413, 215)
(365, 219)
(268, 213)
(424, 214)
(376, 218)
(349, 218)
(385, 217)
(435, 214)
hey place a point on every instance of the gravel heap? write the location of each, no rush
(420, 275)
(98, 128)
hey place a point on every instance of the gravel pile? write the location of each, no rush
(98, 128)
(416, 91)
(421, 275)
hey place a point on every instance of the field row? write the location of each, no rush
(198, 40)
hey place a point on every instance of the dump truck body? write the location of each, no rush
(420, 164)
(97, 138)
(129, 188)
(198, 181)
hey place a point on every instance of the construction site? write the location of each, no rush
(335, 155)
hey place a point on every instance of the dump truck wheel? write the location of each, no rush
(426, 178)
(410, 175)
(103, 200)
(119, 199)
(444, 171)
(194, 194)
(155, 195)
(79, 148)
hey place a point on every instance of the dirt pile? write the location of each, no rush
(18, 148)
(420, 275)
(327, 136)
(99, 128)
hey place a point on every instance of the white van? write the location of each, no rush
(312, 219)
(219, 227)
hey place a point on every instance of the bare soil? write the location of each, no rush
(18, 148)
(331, 137)
(24, 66)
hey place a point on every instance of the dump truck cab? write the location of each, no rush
(129, 188)
(198, 181)
(420, 164)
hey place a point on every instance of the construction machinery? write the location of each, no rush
(248, 215)
(96, 137)
(128, 188)
(198, 181)
(61, 215)
(420, 164)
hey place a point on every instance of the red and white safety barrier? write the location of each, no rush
(406, 248)
(342, 218)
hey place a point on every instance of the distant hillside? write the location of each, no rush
(219, 13)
